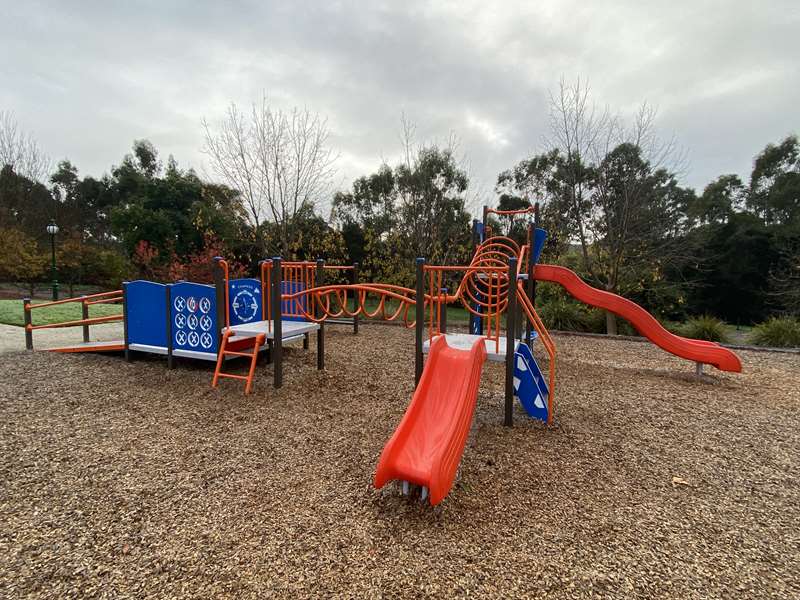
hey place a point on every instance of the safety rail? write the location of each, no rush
(114, 296)
(547, 342)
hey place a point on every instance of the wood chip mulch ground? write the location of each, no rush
(128, 480)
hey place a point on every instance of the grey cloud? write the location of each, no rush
(88, 78)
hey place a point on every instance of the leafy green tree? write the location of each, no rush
(719, 200)
(395, 215)
(774, 192)
(21, 261)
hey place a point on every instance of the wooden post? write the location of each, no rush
(277, 325)
(355, 301)
(85, 315)
(511, 312)
(321, 331)
(420, 321)
(26, 307)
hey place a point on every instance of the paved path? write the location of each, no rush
(12, 338)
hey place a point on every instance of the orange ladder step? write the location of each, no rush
(258, 341)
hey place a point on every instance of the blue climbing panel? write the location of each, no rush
(529, 384)
(194, 317)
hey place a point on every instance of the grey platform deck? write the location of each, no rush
(289, 330)
(464, 341)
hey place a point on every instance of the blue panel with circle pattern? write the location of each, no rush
(244, 299)
(194, 317)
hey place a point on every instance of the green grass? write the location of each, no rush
(11, 312)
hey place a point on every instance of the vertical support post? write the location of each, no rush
(26, 306)
(420, 320)
(277, 325)
(443, 321)
(485, 219)
(125, 320)
(168, 294)
(220, 295)
(53, 272)
(84, 316)
(511, 312)
(355, 282)
(319, 282)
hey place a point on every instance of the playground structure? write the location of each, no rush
(239, 318)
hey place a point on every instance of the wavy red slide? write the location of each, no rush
(696, 350)
(427, 445)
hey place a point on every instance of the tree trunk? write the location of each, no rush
(611, 323)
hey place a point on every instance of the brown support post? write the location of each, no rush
(277, 325)
(420, 321)
(355, 301)
(85, 315)
(26, 306)
(319, 281)
(125, 320)
(170, 359)
(511, 312)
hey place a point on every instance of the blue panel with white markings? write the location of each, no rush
(529, 384)
(194, 317)
(245, 301)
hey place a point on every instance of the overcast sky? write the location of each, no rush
(87, 78)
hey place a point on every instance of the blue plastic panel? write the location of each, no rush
(539, 236)
(292, 287)
(146, 306)
(529, 385)
(245, 301)
(194, 317)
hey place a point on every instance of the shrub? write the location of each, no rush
(778, 332)
(564, 315)
(706, 328)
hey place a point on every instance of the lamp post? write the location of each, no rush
(52, 229)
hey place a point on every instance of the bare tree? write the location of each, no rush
(20, 151)
(279, 161)
(617, 184)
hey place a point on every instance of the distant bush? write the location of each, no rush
(779, 332)
(564, 315)
(705, 328)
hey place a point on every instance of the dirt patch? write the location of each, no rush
(130, 480)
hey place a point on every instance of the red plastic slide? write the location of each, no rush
(696, 350)
(427, 445)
